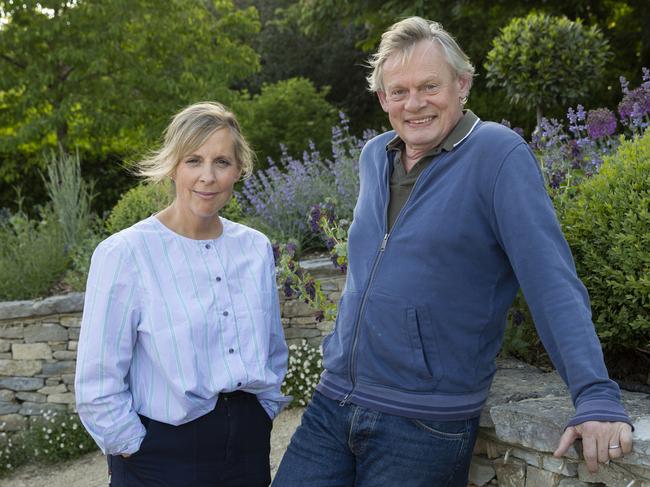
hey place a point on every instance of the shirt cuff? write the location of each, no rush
(272, 407)
(600, 410)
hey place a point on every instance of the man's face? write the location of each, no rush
(422, 96)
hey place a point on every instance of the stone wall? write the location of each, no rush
(520, 425)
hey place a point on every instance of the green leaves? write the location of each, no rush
(542, 61)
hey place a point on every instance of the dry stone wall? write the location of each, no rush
(520, 424)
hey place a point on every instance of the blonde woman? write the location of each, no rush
(181, 353)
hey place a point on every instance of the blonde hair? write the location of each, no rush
(401, 38)
(188, 130)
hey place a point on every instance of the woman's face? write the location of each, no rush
(205, 178)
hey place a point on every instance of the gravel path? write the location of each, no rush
(90, 470)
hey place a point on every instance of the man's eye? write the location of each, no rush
(430, 88)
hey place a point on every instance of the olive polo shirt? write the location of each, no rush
(402, 182)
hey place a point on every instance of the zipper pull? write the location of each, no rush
(344, 400)
(383, 243)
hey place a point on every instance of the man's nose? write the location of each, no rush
(414, 101)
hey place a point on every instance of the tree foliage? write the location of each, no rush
(540, 60)
(290, 113)
(104, 77)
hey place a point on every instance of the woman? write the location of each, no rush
(181, 353)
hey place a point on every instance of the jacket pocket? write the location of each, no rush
(397, 346)
(337, 345)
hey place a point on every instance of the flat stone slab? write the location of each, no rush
(66, 303)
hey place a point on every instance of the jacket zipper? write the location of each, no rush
(382, 247)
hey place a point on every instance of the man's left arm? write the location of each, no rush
(528, 230)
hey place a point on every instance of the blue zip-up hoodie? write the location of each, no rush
(422, 316)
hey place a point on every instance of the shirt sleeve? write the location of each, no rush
(272, 399)
(528, 230)
(108, 335)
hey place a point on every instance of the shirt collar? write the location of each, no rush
(460, 132)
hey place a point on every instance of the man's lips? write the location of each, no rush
(420, 120)
(205, 194)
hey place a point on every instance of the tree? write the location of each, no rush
(105, 77)
(541, 60)
(290, 112)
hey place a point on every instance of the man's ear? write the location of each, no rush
(382, 100)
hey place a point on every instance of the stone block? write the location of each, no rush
(536, 477)
(12, 422)
(58, 368)
(334, 297)
(63, 398)
(70, 321)
(67, 303)
(31, 351)
(21, 383)
(481, 471)
(24, 368)
(65, 355)
(294, 332)
(52, 381)
(8, 407)
(73, 333)
(315, 341)
(57, 389)
(570, 482)
(40, 408)
(68, 379)
(5, 345)
(329, 286)
(31, 396)
(12, 331)
(73, 345)
(546, 461)
(325, 326)
(58, 346)
(510, 472)
(614, 475)
(45, 332)
(6, 355)
(295, 307)
(304, 322)
(533, 423)
(6, 395)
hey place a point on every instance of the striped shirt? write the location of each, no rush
(170, 322)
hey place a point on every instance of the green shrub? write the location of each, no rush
(607, 225)
(291, 112)
(54, 437)
(146, 199)
(303, 373)
(77, 275)
(32, 255)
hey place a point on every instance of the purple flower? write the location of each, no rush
(601, 123)
(287, 288)
(291, 249)
(519, 131)
(314, 218)
(330, 243)
(635, 104)
(310, 288)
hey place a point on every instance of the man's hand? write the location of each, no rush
(601, 441)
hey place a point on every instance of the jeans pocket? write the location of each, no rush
(445, 430)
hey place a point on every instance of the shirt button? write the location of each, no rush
(207, 246)
(238, 384)
(225, 313)
(218, 279)
(231, 350)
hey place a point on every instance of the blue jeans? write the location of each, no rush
(352, 446)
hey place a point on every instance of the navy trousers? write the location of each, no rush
(228, 447)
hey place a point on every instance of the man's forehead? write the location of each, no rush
(428, 56)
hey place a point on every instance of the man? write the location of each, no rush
(452, 218)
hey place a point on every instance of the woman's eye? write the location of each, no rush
(223, 162)
(191, 161)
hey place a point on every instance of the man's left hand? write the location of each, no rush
(602, 441)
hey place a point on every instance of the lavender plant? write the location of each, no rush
(275, 200)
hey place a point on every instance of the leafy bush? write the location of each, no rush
(52, 438)
(77, 275)
(32, 255)
(146, 199)
(303, 373)
(277, 200)
(607, 225)
(541, 60)
(291, 112)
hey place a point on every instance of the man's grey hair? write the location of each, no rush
(401, 38)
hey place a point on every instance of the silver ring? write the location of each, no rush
(614, 447)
